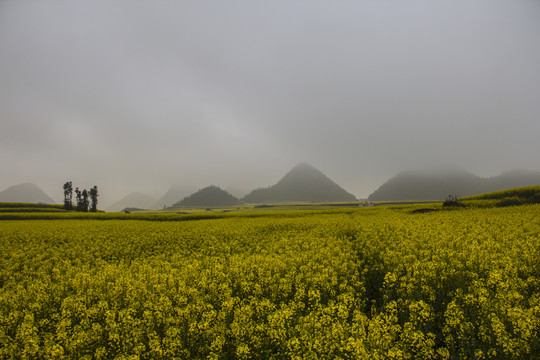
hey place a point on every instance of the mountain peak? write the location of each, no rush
(25, 192)
(209, 196)
(303, 166)
(303, 183)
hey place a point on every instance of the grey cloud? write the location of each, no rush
(144, 94)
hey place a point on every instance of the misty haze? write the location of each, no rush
(138, 97)
(270, 180)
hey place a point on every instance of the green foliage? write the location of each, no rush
(68, 195)
(372, 283)
(93, 198)
(86, 199)
(79, 199)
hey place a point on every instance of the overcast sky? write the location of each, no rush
(139, 95)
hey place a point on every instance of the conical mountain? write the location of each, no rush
(25, 193)
(209, 197)
(303, 183)
(428, 185)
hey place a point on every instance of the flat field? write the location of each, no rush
(351, 283)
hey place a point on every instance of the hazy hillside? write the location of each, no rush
(173, 195)
(27, 193)
(437, 185)
(209, 196)
(303, 183)
(133, 200)
(514, 178)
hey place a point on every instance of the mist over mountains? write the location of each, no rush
(134, 97)
(133, 200)
(304, 183)
(173, 195)
(209, 196)
(26, 193)
(145, 201)
(438, 184)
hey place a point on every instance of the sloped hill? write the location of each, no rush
(133, 200)
(437, 185)
(25, 193)
(303, 183)
(514, 179)
(209, 196)
(530, 193)
(508, 197)
(173, 195)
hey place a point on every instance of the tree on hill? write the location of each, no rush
(68, 195)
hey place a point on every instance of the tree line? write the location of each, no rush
(87, 200)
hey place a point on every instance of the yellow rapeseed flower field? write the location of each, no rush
(372, 283)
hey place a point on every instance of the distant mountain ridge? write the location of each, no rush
(437, 185)
(209, 196)
(173, 195)
(515, 178)
(303, 183)
(26, 193)
(133, 200)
